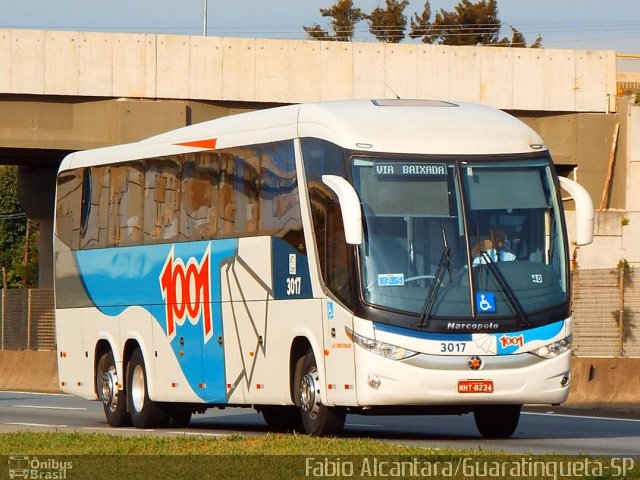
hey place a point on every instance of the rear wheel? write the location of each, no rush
(145, 413)
(317, 419)
(113, 400)
(497, 421)
(282, 418)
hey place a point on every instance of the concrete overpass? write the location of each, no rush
(64, 91)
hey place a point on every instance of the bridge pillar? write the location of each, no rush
(36, 194)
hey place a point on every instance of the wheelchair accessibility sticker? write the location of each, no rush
(486, 302)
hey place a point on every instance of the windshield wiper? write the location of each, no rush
(504, 285)
(443, 266)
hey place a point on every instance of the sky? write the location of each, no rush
(580, 24)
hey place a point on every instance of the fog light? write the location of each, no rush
(374, 381)
(564, 381)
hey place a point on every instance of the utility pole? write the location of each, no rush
(204, 18)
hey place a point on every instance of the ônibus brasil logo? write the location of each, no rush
(186, 291)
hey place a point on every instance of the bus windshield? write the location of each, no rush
(460, 239)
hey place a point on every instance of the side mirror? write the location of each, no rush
(349, 206)
(584, 210)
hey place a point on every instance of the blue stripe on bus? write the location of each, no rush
(117, 278)
(290, 272)
(509, 343)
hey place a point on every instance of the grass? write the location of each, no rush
(30, 443)
(167, 457)
(276, 456)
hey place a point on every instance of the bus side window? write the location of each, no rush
(199, 212)
(68, 207)
(279, 198)
(126, 193)
(94, 232)
(226, 200)
(323, 158)
(161, 200)
(247, 190)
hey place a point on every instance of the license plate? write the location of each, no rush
(475, 386)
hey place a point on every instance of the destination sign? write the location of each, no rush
(410, 169)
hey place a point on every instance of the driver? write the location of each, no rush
(497, 251)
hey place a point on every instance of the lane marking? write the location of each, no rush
(117, 429)
(37, 393)
(20, 424)
(44, 407)
(585, 417)
(202, 434)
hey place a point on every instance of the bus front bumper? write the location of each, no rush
(450, 380)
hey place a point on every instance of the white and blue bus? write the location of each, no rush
(309, 261)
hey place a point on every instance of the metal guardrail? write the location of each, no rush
(627, 74)
(627, 63)
(27, 319)
(606, 312)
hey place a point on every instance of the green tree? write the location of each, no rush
(344, 18)
(468, 24)
(421, 25)
(388, 24)
(13, 233)
(517, 40)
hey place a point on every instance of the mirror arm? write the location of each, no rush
(584, 210)
(349, 206)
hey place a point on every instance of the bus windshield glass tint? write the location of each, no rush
(470, 239)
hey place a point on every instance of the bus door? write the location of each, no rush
(338, 354)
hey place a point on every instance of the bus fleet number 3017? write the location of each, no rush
(294, 285)
(452, 347)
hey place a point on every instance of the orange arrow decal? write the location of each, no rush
(209, 144)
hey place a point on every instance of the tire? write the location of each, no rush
(317, 419)
(145, 413)
(114, 401)
(179, 418)
(497, 421)
(282, 418)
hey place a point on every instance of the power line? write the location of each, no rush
(549, 26)
(626, 29)
(12, 216)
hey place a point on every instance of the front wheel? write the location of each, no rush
(145, 413)
(317, 419)
(113, 400)
(497, 421)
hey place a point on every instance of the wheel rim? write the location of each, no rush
(308, 391)
(137, 388)
(108, 393)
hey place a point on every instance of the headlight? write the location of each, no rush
(553, 349)
(386, 350)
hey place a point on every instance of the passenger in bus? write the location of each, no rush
(494, 248)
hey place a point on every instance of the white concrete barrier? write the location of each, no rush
(288, 71)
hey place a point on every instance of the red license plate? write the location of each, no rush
(475, 386)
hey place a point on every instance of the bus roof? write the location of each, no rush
(391, 126)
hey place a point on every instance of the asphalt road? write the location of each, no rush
(566, 431)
